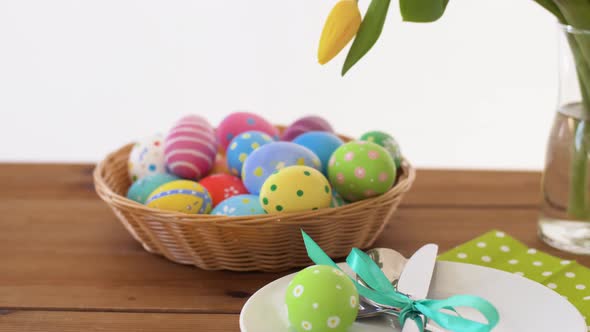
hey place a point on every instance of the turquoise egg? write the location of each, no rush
(240, 148)
(267, 159)
(141, 189)
(322, 143)
(240, 205)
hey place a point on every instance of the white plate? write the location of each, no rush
(524, 305)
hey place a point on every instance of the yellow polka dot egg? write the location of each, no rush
(321, 298)
(267, 159)
(181, 196)
(295, 188)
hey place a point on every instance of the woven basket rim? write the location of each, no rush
(296, 218)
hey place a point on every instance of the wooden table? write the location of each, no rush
(68, 265)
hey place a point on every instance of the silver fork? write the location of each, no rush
(391, 263)
(367, 310)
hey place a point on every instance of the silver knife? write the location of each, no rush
(415, 278)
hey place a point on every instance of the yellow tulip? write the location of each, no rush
(340, 27)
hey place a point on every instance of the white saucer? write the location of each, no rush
(524, 305)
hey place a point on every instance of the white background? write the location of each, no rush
(79, 78)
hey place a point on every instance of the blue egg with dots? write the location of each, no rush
(267, 159)
(240, 148)
(322, 143)
(240, 205)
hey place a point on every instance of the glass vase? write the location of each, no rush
(565, 209)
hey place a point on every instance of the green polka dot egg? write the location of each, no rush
(360, 170)
(387, 141)
(321, 298)
(295, 188)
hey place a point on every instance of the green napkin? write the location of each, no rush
(500, 251)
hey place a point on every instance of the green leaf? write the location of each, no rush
(368, 33)
(552, 7)
(422, 10)
(575, 13)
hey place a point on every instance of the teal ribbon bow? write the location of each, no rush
(381, 291)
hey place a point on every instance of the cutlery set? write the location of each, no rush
(409, 276)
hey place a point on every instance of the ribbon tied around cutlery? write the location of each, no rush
(381, 291)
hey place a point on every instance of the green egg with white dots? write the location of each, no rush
(321, 298)
(295, 188)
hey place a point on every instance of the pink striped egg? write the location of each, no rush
(189, 148)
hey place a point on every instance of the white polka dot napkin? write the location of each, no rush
(500, 251)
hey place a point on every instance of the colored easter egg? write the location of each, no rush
(141, 189)
(190, 148)
(321, 298)
(240, 205)
(181, 195)
(147, 157)
(305, 124)
(322, 143)
(223, 186)
(241, 122)
(220, 166)
(361, 169)
(295, 188)
(262, 162)
(240, 148)
(337, 200)
(387, 141)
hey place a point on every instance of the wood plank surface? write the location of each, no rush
(69, 265)
(54, 260)
(431, 188)
(459, 188)
(64, 321)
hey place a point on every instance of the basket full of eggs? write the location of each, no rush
(235, 197)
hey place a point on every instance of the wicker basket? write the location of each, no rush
(249, 243)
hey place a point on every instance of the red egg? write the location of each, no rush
(223, 186)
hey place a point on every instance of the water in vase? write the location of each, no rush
(565, 209)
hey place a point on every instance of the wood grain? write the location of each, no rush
(48, 321)
(74, 254)
(69, 265)
(41, 181)
(459, 188)
(432, 187)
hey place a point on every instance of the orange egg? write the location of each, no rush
(220, 165)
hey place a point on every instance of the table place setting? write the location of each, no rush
(380, 290)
